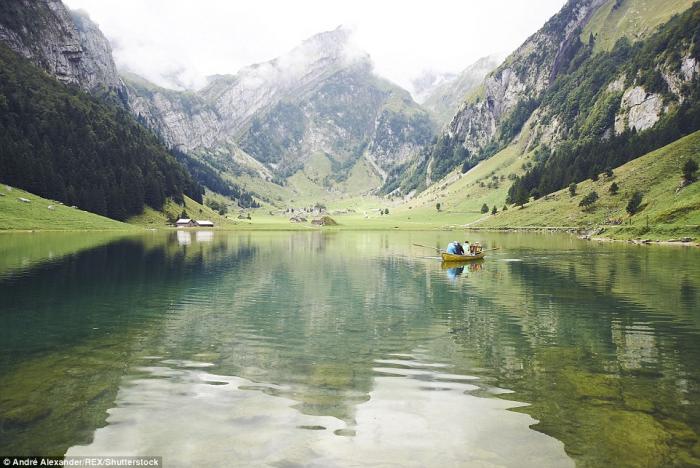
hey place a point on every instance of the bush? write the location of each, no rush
(572, 189)
(437, 206)
(220, 208)
(613, 188)
(588, 200)
(634, 204)
(494, 210)
(689, 169)
(484, 208)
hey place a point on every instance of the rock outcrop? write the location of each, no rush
(639, 110)
(68, 45)
(523, 76)
(183, 120)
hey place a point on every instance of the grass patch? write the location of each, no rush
(631, 19)
(667, 210)
(16, 215)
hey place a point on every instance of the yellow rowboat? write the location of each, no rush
(446, 257)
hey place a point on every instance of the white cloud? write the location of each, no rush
(178, 43)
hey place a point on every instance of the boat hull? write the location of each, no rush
(446, 257)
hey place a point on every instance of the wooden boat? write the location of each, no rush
(447, 257)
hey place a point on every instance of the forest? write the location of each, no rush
(60, 143)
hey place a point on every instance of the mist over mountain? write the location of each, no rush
(446, 92)
(320, 109)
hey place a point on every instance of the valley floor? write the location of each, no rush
(668, 210)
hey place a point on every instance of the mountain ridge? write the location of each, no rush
(322, 98)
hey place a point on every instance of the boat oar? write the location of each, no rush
(428, 247)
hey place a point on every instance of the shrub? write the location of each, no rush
(613, 188)
(572, 189)
(484, 208)
(588, 200)
(634, 204)
(689, 171)
(437, 206)
(494, 210)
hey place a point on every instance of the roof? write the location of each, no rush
(183, 221)
(204, 222)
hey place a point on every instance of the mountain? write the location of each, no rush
(317, 115)
(427, 81)
(517, 96)
(625, 110)
(60, 142)
(67, 45)
(446, 93)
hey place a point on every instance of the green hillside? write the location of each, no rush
(669, 210)
(630, 19)
(36, 214)
(171, 211)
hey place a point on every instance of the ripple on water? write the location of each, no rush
(191, 416)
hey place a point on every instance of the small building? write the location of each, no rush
(185, 222)
(204, 223)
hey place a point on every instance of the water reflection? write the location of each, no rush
(315, 348)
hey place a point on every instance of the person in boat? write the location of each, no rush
(475, 248)
(467, 248)
(455, 248)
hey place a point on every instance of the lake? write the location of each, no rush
(349, 349)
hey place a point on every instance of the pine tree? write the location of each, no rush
(634, 203)
(689, 171)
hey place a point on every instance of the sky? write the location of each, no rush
(178, 43)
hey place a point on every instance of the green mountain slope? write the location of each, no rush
(667, 210)
(42, 214)
(633, 19)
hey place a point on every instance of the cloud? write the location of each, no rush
(178, 43)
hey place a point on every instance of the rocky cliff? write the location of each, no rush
(66, 44)
(184, 120)
(522, 77)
